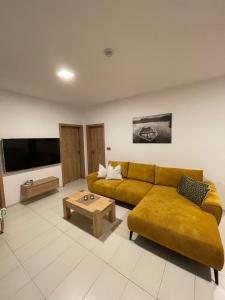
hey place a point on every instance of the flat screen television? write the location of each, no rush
(20, 154)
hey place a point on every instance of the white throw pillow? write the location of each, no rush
(114, 173)
(102, 171)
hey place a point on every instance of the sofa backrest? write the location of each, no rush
(124, 166)
(172, 176)
(155, 174)
(141, 172)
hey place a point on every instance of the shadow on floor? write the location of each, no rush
(175, 258)
(86, 225)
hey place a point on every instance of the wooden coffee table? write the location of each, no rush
(95, 209)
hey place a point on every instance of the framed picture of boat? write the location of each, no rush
(153, 129)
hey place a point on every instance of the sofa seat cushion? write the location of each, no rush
(106, 187)
(141, 172)
(132, 191)
(173, 221)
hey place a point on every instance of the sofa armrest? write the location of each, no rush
(212, 203)
(91, 178)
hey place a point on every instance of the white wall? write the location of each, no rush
(198, 130)
(24, 117)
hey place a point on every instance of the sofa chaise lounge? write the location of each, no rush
(164, 216)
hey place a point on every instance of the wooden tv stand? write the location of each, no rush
(39, 187)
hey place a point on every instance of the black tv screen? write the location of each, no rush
(20, 154)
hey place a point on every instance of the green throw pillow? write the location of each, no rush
(194, 190)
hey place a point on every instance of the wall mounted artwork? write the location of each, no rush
(153, 129)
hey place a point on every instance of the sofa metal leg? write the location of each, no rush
(216, 274)
(131, 233)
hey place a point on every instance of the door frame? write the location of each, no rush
(88, 143)
(2, 194)
(81, 140)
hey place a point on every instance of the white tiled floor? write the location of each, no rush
(44, 256)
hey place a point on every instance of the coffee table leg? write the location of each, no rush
(97, 224)
(66, 210)
(112, 213)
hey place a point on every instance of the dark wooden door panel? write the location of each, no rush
(95, 146)
(72, 155)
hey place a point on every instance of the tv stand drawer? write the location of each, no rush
(39, 187)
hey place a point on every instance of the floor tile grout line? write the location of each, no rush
(29, 217)
(46, 209)
(125, 287)
(14, 268)
(45, 219)
(129, 279)
(75, 240)
(21, 265)
(31, 278)
(53, 226)
(51, 261)
(135, 283)
(28, 241)
(140, 255)
(86, 293)
(90, 251)
(68, 275)
(31, 281)
(194, 287)
(16, 234)
(164, 269)
(23, 261)
(23, 245)
(107, 263)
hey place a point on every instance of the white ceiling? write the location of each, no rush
(157, 44)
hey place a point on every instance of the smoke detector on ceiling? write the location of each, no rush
(108, 52)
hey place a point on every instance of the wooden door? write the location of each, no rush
(2, 195)
(72, 152)
(95, 146)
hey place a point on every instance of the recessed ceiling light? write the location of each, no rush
(65, 74)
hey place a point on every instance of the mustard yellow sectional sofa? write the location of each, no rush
(164, 216)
